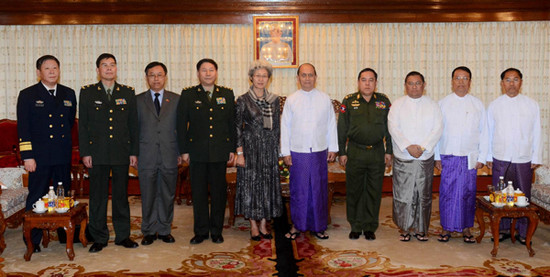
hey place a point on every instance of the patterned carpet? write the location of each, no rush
(305, 256)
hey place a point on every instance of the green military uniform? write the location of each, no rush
(363, 126)
(206, 131)
(108, 132)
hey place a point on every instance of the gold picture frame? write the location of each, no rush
(276, 40)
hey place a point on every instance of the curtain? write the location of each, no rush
(338, 51)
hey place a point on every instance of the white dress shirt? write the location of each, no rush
(54, 88)
(414, 121)
(514, 129)
(465, 130)
(308, 123)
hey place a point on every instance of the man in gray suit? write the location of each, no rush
(158, 155)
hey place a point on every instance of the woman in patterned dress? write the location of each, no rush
(258, 195)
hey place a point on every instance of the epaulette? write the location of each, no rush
(349, 95)
(225, 87)
(129, 87)
(383, 95)
(87, 86)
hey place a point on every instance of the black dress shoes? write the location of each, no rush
(255, 238)
(148, 239)
(167, 238)
(37, 248)
(266, 235)
(217, 238)
(370, 235)
(354, 235)
(128, 243)
(96, 247)
(198, 239)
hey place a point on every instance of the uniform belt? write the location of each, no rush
(368, 147)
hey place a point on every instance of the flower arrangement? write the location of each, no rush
(284, 173)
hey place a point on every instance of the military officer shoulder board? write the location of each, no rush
(380, 104)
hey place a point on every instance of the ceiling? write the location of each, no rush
(45, 12)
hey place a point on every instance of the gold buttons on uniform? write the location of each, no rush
(197, 108)
(51, 136)
(110, 136)
(211, 109)
(111, 111)
(90, 142)
(61, 115)
(62, 125)
(210, 118)
(50, 115)
(62, 136)
(222, 108)
(211, 127)
(110, 119)
(110, 127)
(51, 126)
(122, 109)
(211, 135)
(97, 109)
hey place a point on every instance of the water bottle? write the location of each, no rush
(501, 184)
(51, 200)
(60, 195)
(510, 194)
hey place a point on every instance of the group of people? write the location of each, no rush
(115, 127)
(206, 127)
(459, 136)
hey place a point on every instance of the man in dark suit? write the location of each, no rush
(45, 116)
(108, 133)
(206, 136)
(158, 155)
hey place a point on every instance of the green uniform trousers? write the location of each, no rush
(364, 177)
(99, 197)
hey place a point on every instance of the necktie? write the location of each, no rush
(209, 94)
(157, 102)
(109, 94)
(52, 91)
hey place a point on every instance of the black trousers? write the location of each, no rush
(203, 174)
(99, 197)
(39, 181)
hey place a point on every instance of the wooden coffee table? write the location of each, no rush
(495, 214)
(52, 221)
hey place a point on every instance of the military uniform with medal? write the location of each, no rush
(108, 132)
(363, 127)
(206, 132)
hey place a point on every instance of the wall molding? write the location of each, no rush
(75, 12)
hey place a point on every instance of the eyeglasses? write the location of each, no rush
(260, 76)
(417, 83)
(458, 78)
(510, 80)
(152, 76)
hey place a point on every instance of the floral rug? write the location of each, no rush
(238, 256)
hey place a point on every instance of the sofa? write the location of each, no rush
(9, 144)
(13, 196)
(540, 192)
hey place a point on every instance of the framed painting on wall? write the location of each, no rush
(276, 40)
